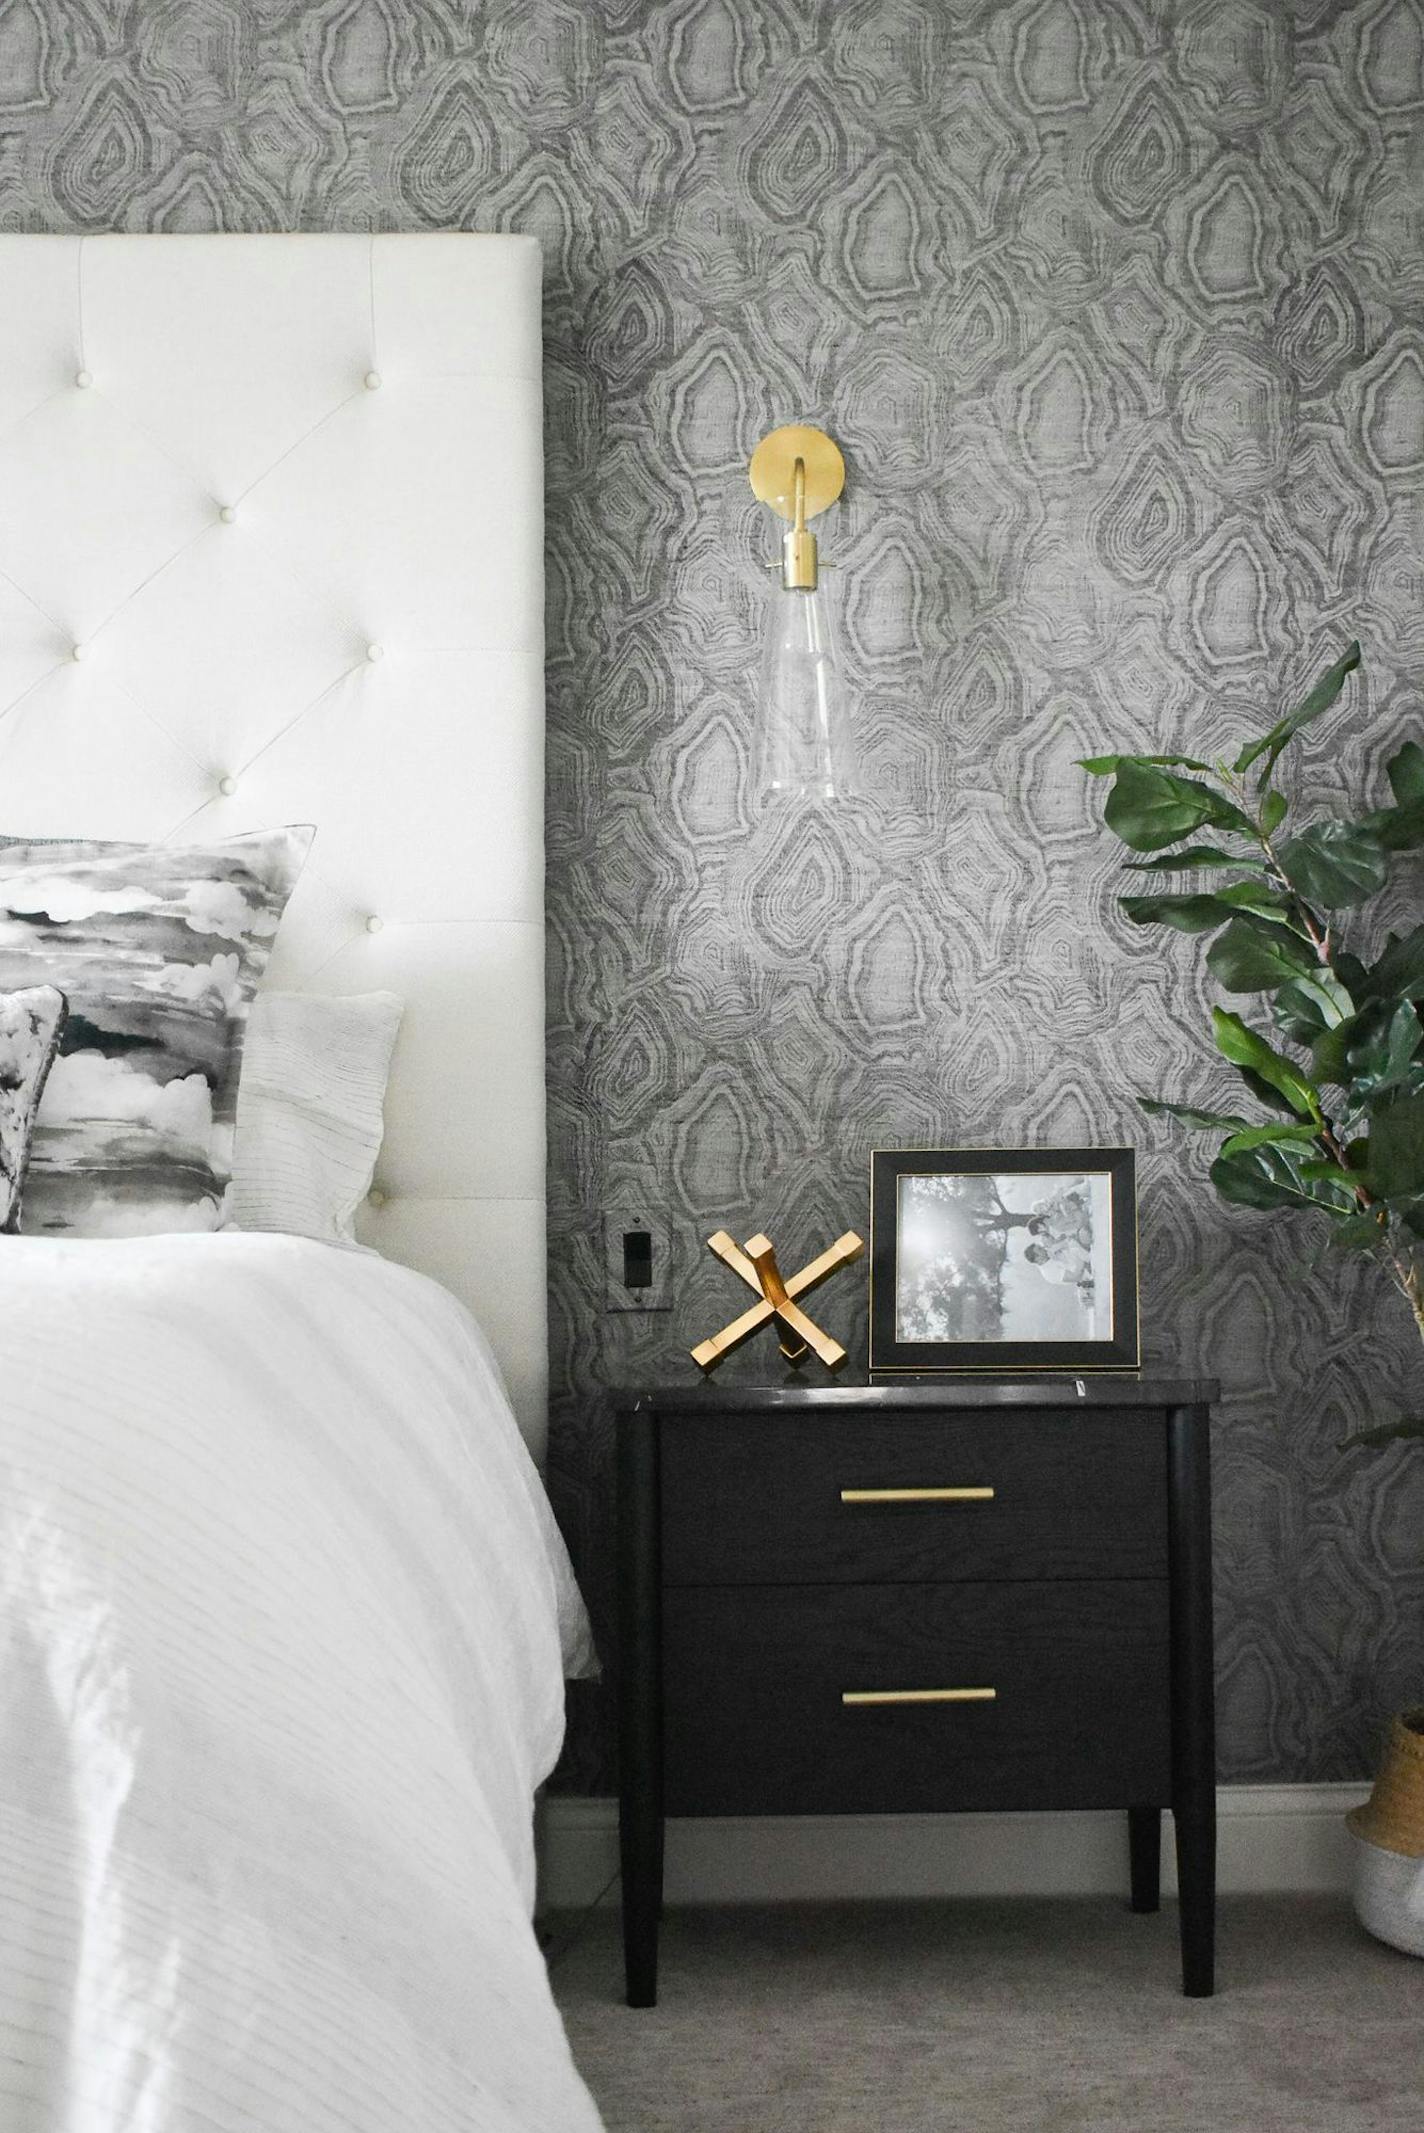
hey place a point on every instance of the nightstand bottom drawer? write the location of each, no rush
(819, 1699)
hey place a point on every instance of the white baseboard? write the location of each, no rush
(1286, 1838)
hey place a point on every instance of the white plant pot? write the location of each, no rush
(1389, 1895)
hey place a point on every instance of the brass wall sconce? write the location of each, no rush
(805, 744)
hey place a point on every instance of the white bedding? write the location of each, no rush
(281, 1614)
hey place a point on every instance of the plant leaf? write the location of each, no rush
(1386, 1433)
(1149, 807)
(1399, 829)
(1270, 1177)
(1203, 910)
(1273, 811)
(1253, 955)
(1265, 1094)
(1269, 1136)
(1255, 896)
(1330, 1051)
(1321, 697)
(1405, 772)
(1298, 1013)
(1306, 1007)
(1196, 855)
(1411, 1213)
(1335, 863)
(1106, 766)
(1399, 972)
(1334, 1172)
(1380, 1060)
(1188, 914)
(1352, 1233)
(1396, 1149)
(1208, 1121)
(1245, 1049)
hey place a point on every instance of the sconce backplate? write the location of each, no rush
(773, 469)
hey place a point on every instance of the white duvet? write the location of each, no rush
(281, 1615)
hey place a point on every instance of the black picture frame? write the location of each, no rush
(896, 1355)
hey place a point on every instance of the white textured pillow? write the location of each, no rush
(309, 1111)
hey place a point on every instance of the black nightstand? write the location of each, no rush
(981, 1594)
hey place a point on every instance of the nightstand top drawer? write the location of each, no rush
(821, 1499)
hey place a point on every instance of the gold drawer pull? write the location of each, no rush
(917, 1495)
(858, 1696)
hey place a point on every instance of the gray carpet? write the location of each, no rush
(1043, 2017)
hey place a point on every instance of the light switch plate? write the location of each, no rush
(619, 1223)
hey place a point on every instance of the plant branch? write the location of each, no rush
(1403, 1269)
(1319, 936)
(1363, 1166)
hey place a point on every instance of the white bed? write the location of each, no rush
(285, 1618)
(281, 1616)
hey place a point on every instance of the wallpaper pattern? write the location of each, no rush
(1117, 307)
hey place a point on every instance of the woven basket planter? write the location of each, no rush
(1389, 1842)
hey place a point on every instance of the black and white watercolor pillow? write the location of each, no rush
(30, 1025)
(159, 951)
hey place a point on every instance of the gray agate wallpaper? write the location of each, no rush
(1117, 308)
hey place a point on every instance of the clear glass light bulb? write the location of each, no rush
(805, 747)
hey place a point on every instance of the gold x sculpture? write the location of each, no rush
(759, 1270)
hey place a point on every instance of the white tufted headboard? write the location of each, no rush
(271, 550)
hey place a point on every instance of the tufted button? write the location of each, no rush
(80, 651)
(227, 514)
(376, 1197)
(227, 787)
(375, 652)
(373, 381)
(374, 924)
(83, 379)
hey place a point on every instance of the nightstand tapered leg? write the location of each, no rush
(640, 1803)
(1193, 1691)
(1144, 1834)
(640, 1849)
(1196, 1881)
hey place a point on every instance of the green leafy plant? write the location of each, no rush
(1341, 1074)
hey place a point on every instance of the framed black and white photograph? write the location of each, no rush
(1003, 1259)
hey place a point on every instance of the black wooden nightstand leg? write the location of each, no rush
(1193, 1692)
(640, 1806)
(640, 1848)
(1196, 1881)
(658, 1864)
(1144, 1836)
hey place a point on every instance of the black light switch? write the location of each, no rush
(638, 1256)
